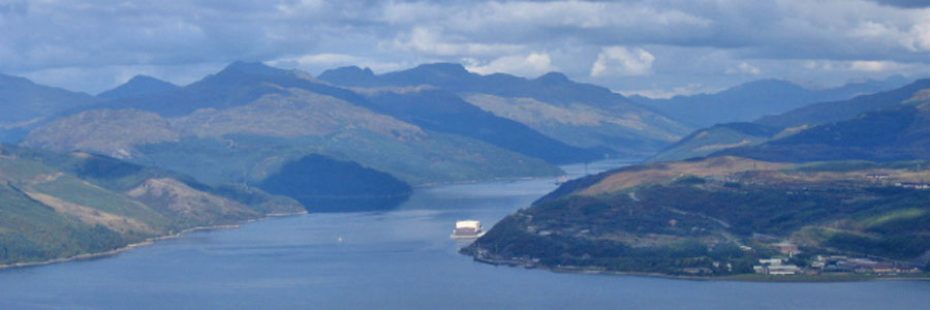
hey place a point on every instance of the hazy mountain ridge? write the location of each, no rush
(554, 87)
(897, 133)
(753, 100)
(26, 104)
(716, 139)
(828, 112)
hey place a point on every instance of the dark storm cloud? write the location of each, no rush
(905, 3)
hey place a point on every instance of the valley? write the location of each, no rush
(253, 140)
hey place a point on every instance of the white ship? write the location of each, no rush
(468, 229)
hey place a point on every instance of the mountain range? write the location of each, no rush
(258, 118)
(756, 99)
(721, 137)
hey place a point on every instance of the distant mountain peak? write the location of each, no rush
(350, 70)
(5, 78)
(350, 75)
(554, 77)
(138, 85)
(141, 78)
(252, 68)
(444, 68)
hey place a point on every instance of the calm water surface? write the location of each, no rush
(397, 259)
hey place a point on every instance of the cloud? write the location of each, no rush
(690, 89)
(874, 66)
(618, 60)
(431, 42)
(533, 64)
(744, 68)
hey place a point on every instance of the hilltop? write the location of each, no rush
(720, 216)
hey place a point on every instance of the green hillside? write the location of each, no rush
(56, 206)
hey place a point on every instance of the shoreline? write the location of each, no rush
(749, 277)
(147, 242)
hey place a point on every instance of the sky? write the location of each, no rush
(654, 48)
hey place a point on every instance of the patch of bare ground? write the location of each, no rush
(92, 216)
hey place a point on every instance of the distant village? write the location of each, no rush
(886, 179)
(827, 264)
